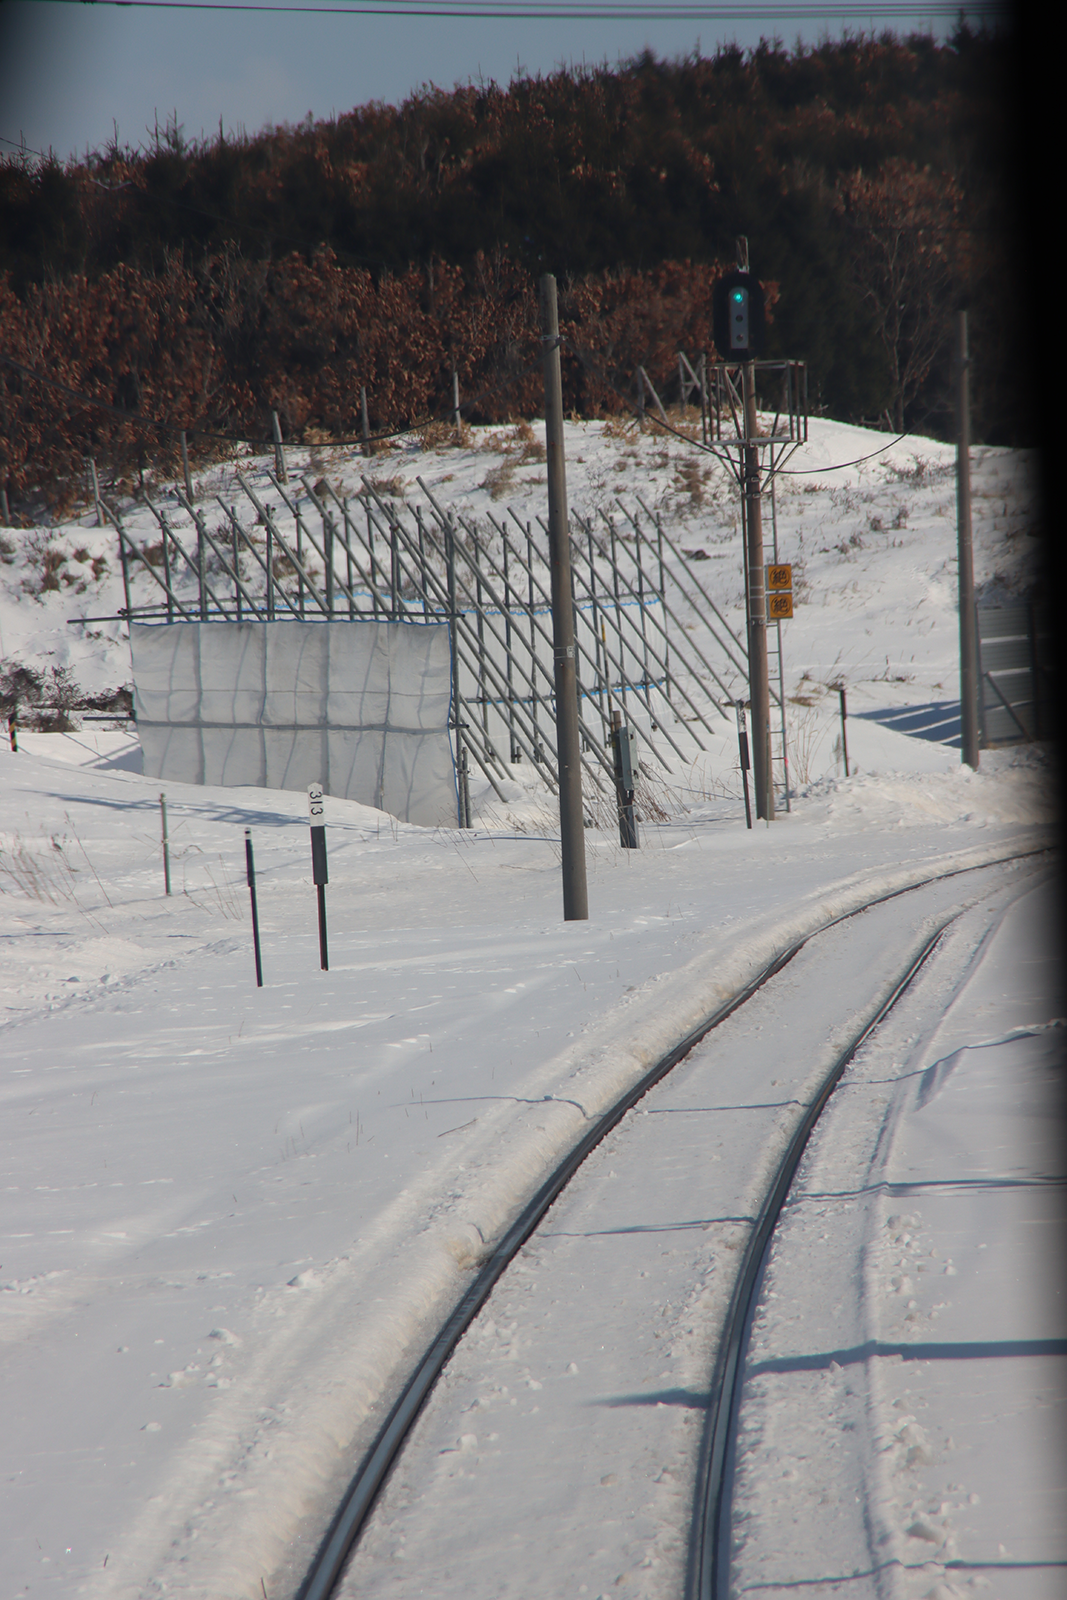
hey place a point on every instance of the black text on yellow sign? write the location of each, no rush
(779, 605)
(780, 576)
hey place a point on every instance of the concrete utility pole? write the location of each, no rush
(758, 679)
(571, 818)
(965, 557)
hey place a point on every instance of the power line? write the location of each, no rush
(596, 10)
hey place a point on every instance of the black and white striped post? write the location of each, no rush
(319, 874)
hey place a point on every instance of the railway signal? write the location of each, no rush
(737, 316)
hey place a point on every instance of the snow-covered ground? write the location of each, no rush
(905, 1421)
(230, 1215)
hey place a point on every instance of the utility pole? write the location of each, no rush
(758, 679)
(965, 555)
(738, 309)
(571, 818)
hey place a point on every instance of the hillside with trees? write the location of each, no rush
(201, 285)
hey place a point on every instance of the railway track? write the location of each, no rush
(932, 907)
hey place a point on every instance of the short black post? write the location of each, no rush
(250, 868)
(624, 781)
(742, 745)
(320, 877)
(166, 842)
(13, 731)
(844, 720)
(465, 782)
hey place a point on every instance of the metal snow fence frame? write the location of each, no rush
(498, 609)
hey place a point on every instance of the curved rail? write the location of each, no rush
(370, 1476)
(709, 1559)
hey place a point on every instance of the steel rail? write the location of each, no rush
(710, 1550)
(372, 1472)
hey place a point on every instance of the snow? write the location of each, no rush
(923, 1387)
(231, 1215)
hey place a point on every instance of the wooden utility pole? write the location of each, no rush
(758, 680)
(571, 817)
(965, 556)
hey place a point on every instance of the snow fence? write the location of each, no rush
(360, 707)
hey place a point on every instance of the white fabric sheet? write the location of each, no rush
(361, 707)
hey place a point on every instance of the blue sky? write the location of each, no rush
(70, 73)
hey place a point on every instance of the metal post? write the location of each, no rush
(742, 751)
(422, 562)
(279, 449)
(465, 789)
(759, 683)
(533, 640)
(327, 547)
(250, 871)
(568, 755)
(965, 561)
(781, 666)
(515, 752)
(453, 624)
(618, 611)
(95, 481)
(235, 545)
(457, 419)
(600, 664)
(165, 541)
(200, 577)
(166, 843)
(319, 873)
(704, 395)
(270, 572)
(844, 730)
(365, 420)
(124, 562)
(663, 603)
(479, 606)
(624, 781)
(185, 468)
(641, 611)
(375, 603)
(299, 541)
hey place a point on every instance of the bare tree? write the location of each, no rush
(906, 259)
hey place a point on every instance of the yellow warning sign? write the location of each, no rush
(780, 577)
(779, 605)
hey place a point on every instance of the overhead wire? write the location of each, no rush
(592, 10)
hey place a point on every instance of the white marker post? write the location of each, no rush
(319, 874)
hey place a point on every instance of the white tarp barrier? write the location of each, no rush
(361, 707)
